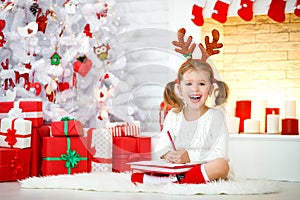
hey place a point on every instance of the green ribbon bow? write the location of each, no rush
(65, 120)
(71, 157)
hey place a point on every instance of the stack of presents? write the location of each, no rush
(29, 147)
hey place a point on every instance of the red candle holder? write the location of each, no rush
(243, 111)
(290, 126)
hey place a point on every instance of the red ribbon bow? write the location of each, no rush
(11, 137)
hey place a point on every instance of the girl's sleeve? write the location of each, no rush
(215, 142)
(163, 144)
(220, 135)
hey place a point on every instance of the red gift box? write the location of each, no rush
(67, 127)
(31, 109)
(36, 145)
(65, 155)
(14, 164)
(129, 149)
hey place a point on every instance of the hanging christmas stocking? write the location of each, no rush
(277, 10)
(197, 12)
(220, 11)
(297, 8)
(246, 10)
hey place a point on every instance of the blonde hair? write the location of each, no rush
(173, 100)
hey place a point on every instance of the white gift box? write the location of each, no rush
(101, 149)
(119, 129)
(15, 129)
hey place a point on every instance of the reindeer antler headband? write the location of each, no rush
(187, 49)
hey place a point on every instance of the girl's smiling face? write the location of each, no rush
(195, 88)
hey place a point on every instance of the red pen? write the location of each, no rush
(171, 140)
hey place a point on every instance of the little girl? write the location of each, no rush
(199, 132)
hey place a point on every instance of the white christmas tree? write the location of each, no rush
(62, 52)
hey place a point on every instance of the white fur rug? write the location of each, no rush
(120, 182)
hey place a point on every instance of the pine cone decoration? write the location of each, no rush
(34, 8)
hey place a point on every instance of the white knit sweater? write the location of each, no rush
(205, 139)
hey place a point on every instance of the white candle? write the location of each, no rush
(258, 112)
(233, 124)
(290, 108)
(251, 126)
(272, 123)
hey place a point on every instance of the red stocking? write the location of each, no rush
(277, 10)
(246, 10)
(197, 12)
(221, 10)
(297, 8)
(193, 176)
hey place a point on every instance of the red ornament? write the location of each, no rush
(102, 13)
(106, 76)
(24, 75)
(101, 95)
(87, 31)
(82, 65)
(35, 87)
(42, 23)
(7, 82)
(2, 38)
(50, 93)
(2, 24)
(62, 86)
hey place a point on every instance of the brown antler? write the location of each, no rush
(210, 47)
(185, 48)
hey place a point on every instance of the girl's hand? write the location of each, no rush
(179, 156)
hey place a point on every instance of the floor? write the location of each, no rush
(12, 191)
